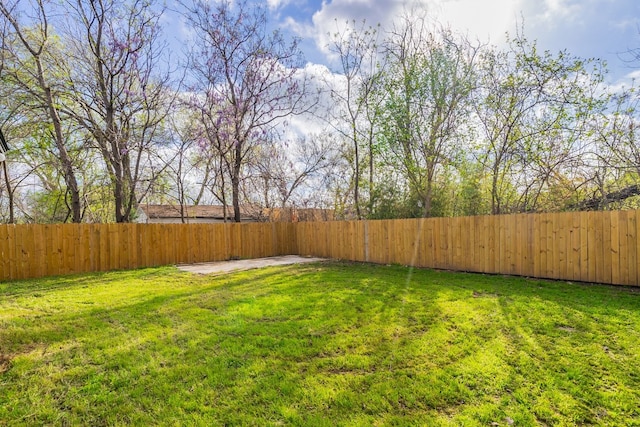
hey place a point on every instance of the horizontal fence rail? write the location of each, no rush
(597, 247)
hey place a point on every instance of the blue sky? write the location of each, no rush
(587, 28)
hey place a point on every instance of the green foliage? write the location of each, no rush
(388, 202)
(48, 207)
(319, 344)
(470, 198)
(532, 106)
(428, 86)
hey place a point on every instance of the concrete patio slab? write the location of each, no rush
(245, 264)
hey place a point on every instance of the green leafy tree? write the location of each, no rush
(357, 99)
(35, 68)
(429, 82)
(532, 108)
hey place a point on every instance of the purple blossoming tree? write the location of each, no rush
(244, 79)
(119, 86)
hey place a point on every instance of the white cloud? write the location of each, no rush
(588, 28)
(299, 28)
(276, 4)
(487, 20)
(625, 82)
(561, 9)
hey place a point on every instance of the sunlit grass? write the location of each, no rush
(321, 344)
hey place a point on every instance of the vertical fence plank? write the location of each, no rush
(545, 236)
(161, 256)
(411, 231)
(75, 262)
(437, 245)
(552, 249)
(125, 251)
(615, 248)
(591, 247)
(325, 231)
(632, 253)
(179, 244)
(349, 240)
(446, 248)
(360, 240)
(637, 244)
(494, 249)
(455, 229)
(152, 241)
(537, 246)
(487, 237)
(560, 242)
(431, 242)
(84, 249)
(502, 253)
(222, 236)
(584, 246)
(530, 245)
(332, 248)
(194, 231)
(302, 230)
(214, 242)
(468, 240)
(574, 247)
(5, 257)
(113, 243)
(477, 246)
(605, 271)
(519, 239)
(39, 252)
(24, 242)
(512, 239)
(337, 240)
(124, 248)
(316, 242)
(420, 249)
(623, 249)
(443, 250)
(208, 242)
(471, 246)
(55, 255)
(375, 233)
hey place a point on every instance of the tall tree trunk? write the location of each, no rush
(65, 159)
(12, 218)
(356, 186)
(427, 199)
(495, 198)
(235, 182)
(117, 197)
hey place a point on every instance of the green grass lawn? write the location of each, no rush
(317, 344)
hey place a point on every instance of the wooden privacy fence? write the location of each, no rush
(597, 247)
(28, 251)
(583, 246)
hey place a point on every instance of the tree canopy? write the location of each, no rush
(407, 121)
